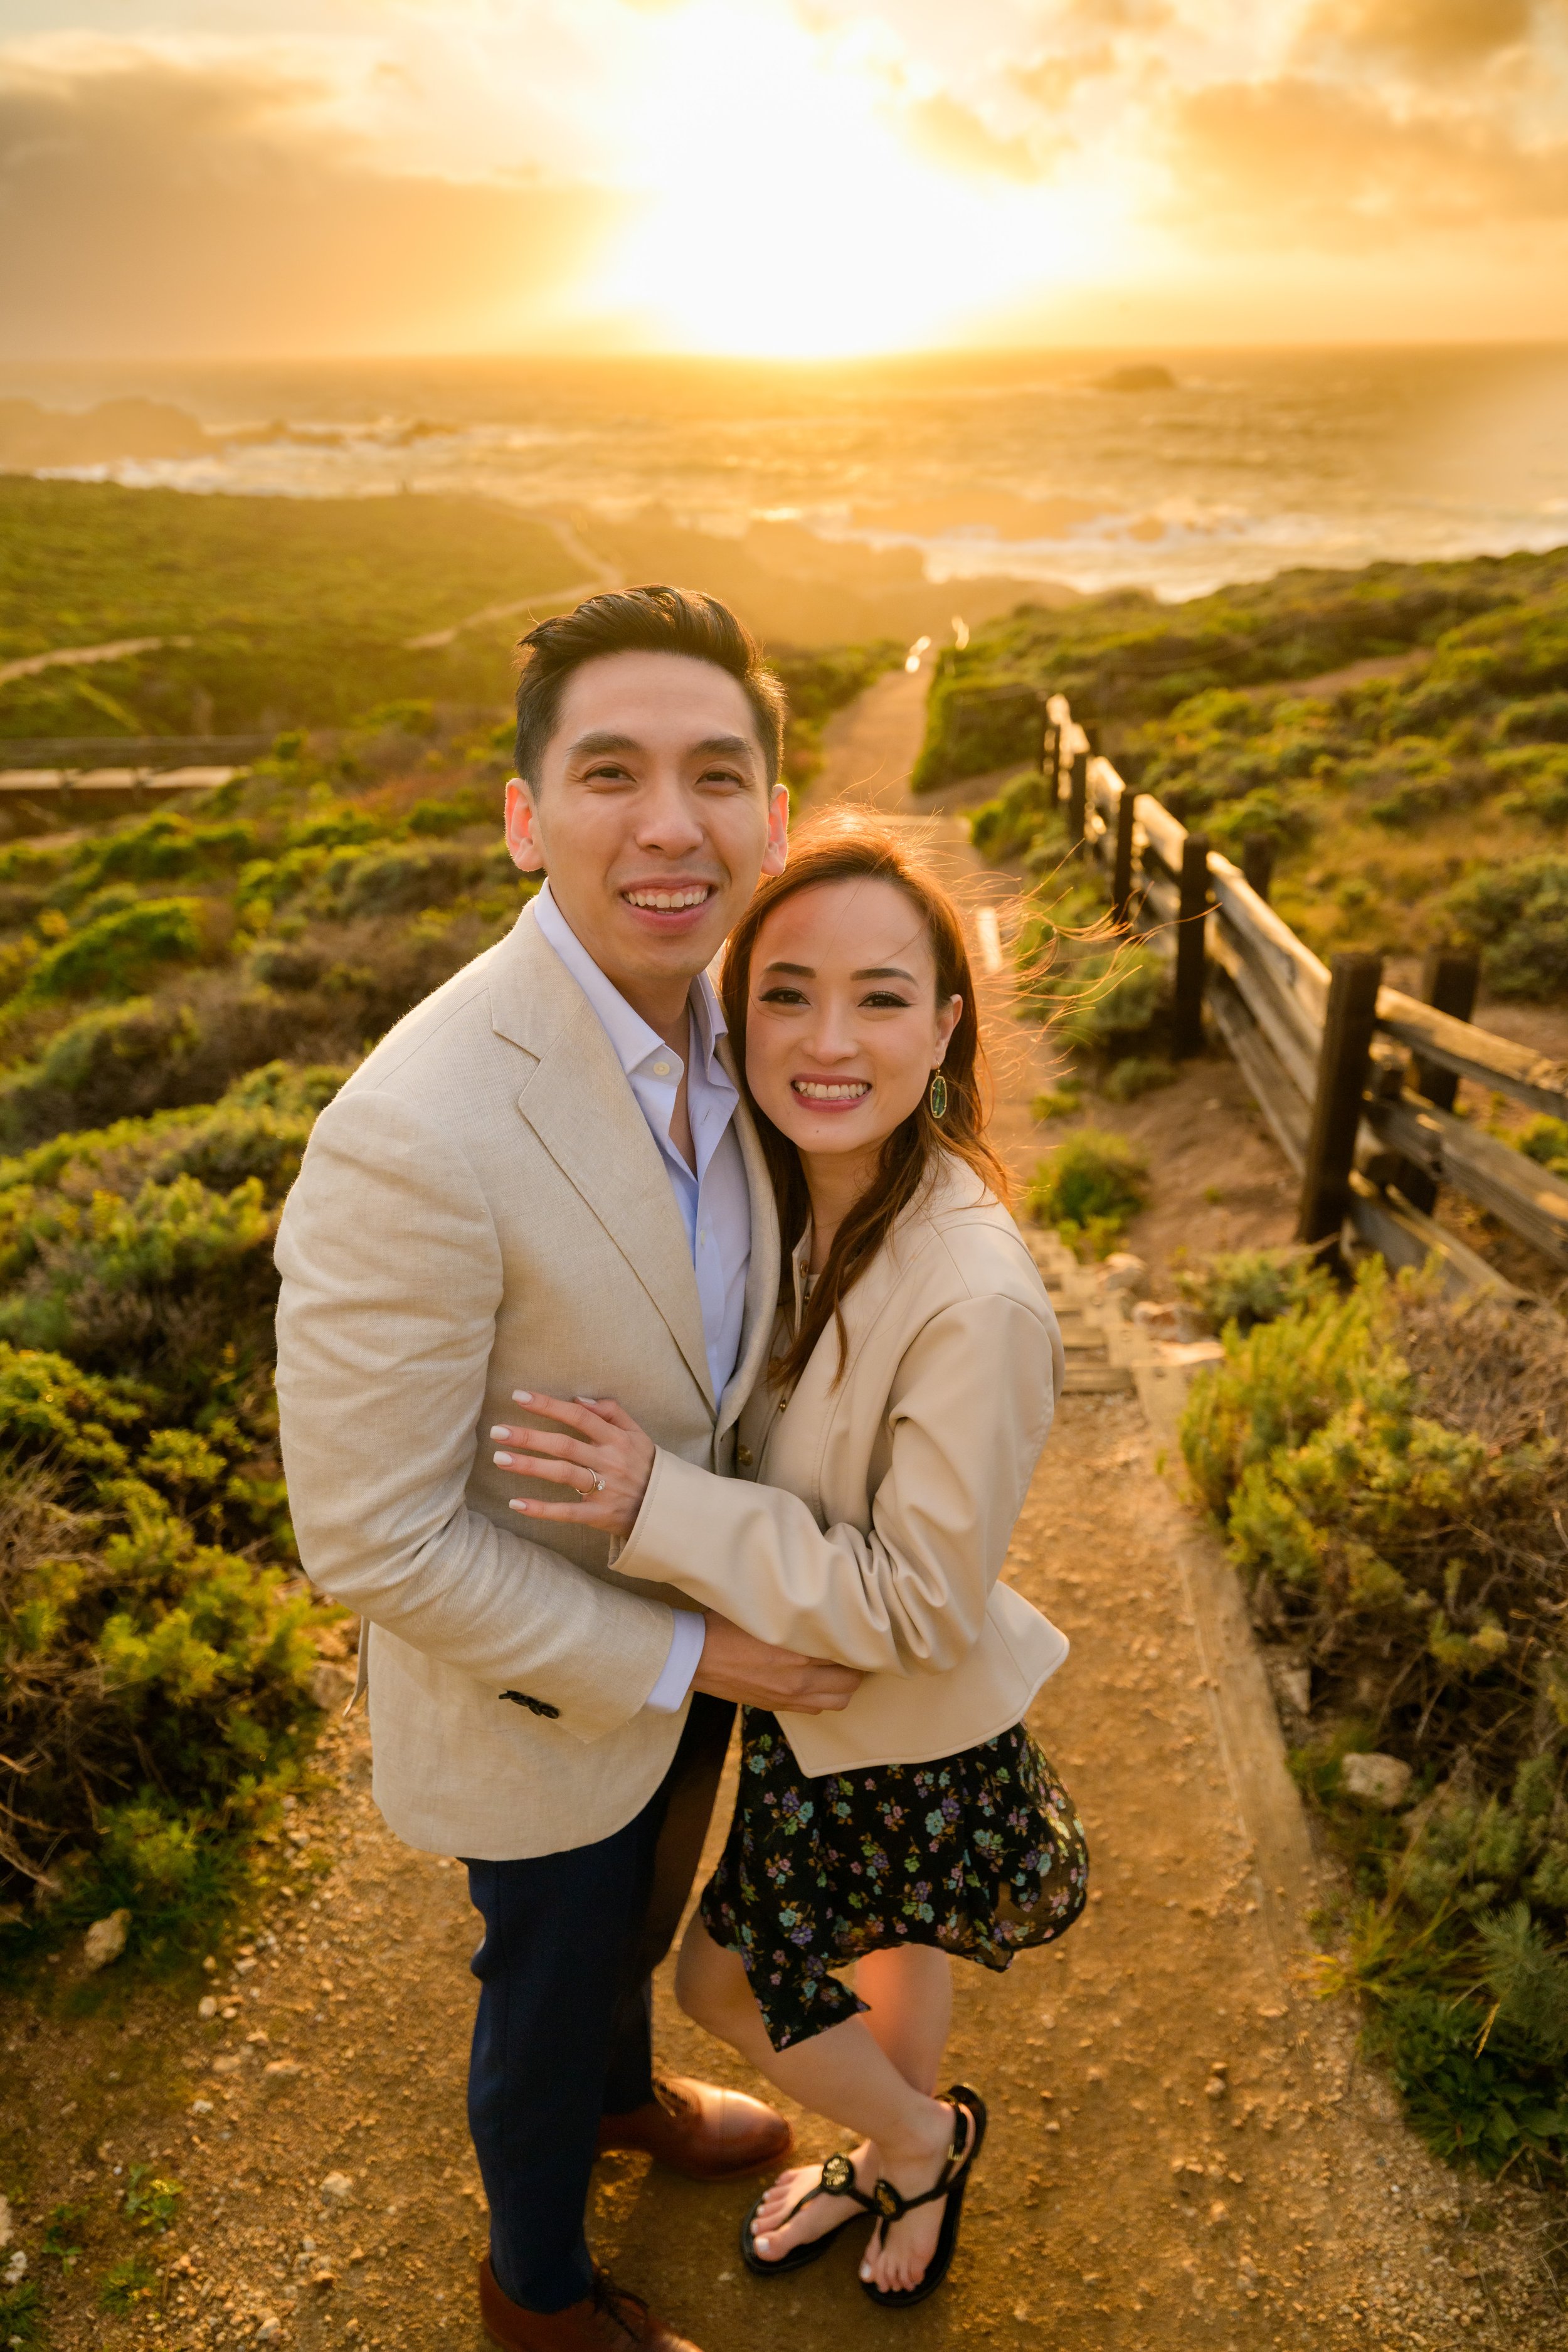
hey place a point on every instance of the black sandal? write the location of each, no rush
(837, 2180)
(968, 2135)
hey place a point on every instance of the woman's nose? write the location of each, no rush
(833, 1037)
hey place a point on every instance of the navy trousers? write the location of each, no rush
(564, 2032)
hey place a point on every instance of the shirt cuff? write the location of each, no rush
(670, 1693)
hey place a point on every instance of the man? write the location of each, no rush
(544, 1173)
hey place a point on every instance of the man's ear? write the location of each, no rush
(777, 850)
(522, 834)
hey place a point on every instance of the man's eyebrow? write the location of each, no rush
(598, 741)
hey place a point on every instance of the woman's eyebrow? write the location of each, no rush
(802, 971)
(885, 972)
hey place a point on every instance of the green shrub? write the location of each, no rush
(1251, 1287)
(1024, 812)
(1090, 1188)
(127, 2284)
(972, 726)
(1518, 914)
(116, 953)
(86, 1072)
(157, 1686)
(1545, 1140)
(1058, 1102)
(401, 881)
(1135, 1074)
(1094, 997)
(151, 2201)
(434, 819)
(1391, 1476)
(21, 2314)
(164, 847)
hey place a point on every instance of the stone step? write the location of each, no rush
(1098, 1380)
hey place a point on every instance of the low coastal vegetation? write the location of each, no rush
(179, 995)
(1390, 1476)
(264, 612)
(1398, 735)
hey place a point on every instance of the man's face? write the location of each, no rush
(652, 816)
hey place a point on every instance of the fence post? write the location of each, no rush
(1051, 756)
(1187, 1012)
(1449, 976)
(1258, 863)
(1122, 872)
(1078, 799)
(1353, 982)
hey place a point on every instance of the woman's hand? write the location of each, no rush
(605, 1463)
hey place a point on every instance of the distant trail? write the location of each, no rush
(78, 657)
(572, 545)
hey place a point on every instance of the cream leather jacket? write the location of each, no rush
(872, 1513)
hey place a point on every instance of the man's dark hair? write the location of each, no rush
(640, 621)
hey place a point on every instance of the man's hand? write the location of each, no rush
(735, 1665)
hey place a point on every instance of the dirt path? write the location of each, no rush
(1183, 2152)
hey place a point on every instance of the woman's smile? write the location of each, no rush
(831, 1093)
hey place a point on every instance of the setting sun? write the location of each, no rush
(786, 212)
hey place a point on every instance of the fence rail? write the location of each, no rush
(1355, 1079)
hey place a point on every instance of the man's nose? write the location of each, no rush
(667, 821)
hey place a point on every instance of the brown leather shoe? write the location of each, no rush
(700, 2130)
(608, 2320)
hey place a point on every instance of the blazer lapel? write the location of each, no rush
(762, 1273)
(579, 1104)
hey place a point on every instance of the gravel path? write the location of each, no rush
(1183, 2150)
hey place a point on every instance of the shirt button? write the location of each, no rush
(662, 1069)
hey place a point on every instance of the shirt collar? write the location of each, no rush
(634, 1040)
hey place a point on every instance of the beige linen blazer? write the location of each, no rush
(873, 1513)
(483, 1209)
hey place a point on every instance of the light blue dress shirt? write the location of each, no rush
(713, 1198)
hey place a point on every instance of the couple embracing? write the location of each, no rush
(647, 1349)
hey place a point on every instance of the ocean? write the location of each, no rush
(1176, 474)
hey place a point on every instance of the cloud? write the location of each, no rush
(950, 135)
(1426, 37)
(149, 205)
(1335, 166)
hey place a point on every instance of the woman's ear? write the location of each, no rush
(947, 1020)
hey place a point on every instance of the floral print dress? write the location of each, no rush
(980, 1854)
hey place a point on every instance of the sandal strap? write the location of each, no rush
(890, 2205)
(838, 2180)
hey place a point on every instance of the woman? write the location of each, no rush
(883, 1464)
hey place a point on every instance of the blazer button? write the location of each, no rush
(743, 1456)
(534, 1706)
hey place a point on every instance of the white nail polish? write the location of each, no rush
(502, 1461)
(522, 1396)
(502, 1433)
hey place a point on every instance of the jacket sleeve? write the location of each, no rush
(391, 1281)
(969, 1411)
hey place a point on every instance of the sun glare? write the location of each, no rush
(784, 214)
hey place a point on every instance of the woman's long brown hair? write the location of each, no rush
(856, 848)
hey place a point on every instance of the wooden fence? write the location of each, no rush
(1356, 1079)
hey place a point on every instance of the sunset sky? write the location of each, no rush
(239, 178)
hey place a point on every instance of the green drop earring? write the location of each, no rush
(938, 1095)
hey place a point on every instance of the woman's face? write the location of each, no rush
(843, 1027)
